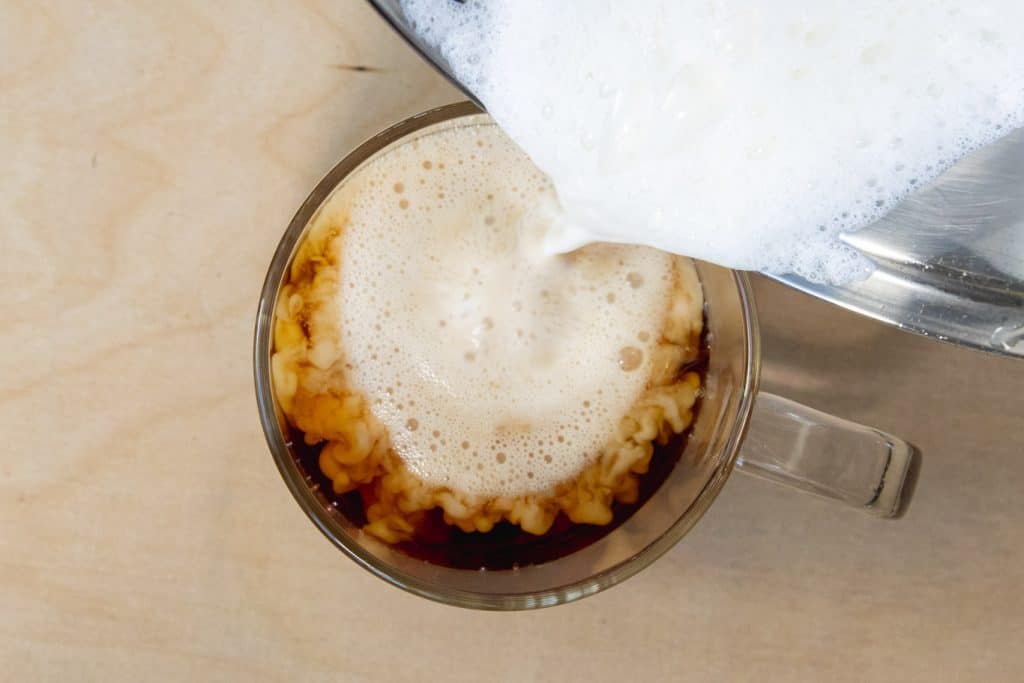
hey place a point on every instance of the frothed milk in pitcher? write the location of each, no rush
(747, 134)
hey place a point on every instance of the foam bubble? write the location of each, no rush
(501, 370)
(749, 134)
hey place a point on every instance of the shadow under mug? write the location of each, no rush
(759, 433)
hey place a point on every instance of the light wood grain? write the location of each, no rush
(151, 154)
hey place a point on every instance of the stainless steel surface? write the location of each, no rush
(950, 257)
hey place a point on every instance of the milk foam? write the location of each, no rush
(749, 134)
(497, 369)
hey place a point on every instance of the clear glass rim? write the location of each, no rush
(311, 506)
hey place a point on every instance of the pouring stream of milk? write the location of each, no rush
(749, 134)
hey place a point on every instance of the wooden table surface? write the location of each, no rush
(151, 153)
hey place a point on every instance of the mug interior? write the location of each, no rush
(655, 527)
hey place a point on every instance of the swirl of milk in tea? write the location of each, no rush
(746, 133)
(497, 369)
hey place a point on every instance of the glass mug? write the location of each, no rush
(736, 427)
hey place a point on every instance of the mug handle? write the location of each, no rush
(789, 443)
